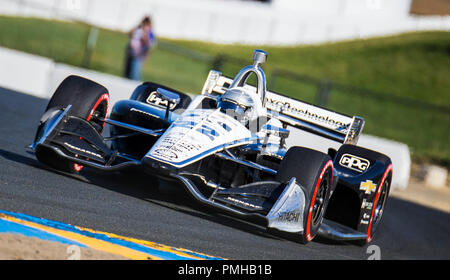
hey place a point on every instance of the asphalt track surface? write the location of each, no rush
(132, 206)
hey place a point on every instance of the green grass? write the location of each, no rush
(416, 65)
(412, 65)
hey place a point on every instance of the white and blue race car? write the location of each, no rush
(227, 147)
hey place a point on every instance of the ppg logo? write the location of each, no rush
(354, 163)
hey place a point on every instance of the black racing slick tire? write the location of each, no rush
(313, 171)
(88, 100)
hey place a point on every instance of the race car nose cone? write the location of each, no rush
(259, 57)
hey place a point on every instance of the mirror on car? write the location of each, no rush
(169, 96)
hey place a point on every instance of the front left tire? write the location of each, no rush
(89, 101)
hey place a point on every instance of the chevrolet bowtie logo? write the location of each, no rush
(368, 187)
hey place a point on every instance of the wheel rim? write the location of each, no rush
(379, 203)
(319, 202)
(379, 207)
(100, 109)
(323, 181)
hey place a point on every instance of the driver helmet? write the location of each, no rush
(238, 104)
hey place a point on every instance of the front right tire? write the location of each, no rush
(313, 171)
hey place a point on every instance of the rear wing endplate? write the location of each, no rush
(335, 126)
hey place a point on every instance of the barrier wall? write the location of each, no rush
(25, 72)
(40, 77)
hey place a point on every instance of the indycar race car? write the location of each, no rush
(227, 148)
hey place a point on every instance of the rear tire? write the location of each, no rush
(379, 204)
(313, 171)
(382, 179)
(88, 99)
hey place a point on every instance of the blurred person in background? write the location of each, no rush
(142, 39)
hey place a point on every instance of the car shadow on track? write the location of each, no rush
(131, 183)
(173, 197)
(20, 158)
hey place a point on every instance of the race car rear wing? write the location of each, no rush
(335, 126)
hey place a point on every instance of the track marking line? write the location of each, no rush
(108, 242)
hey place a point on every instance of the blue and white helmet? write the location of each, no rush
(236, 102)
